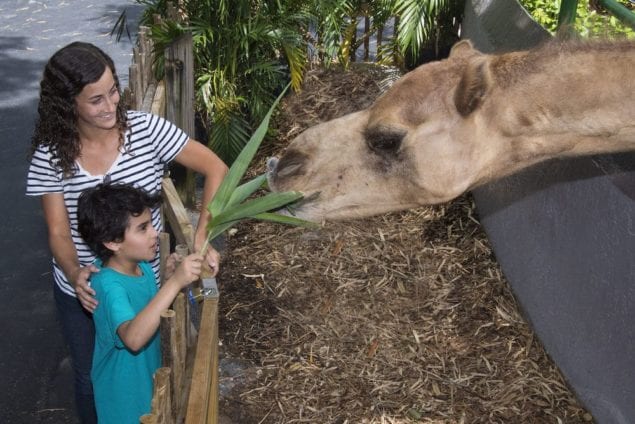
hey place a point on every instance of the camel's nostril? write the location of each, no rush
(272, 163)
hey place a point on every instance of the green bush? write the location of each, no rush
(588, 24)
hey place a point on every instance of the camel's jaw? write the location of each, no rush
(322, 203)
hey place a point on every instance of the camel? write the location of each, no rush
(452, 125)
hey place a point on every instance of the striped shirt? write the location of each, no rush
(151, 143)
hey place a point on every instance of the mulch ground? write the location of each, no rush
(400, 318)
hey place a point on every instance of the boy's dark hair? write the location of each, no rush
(104, 212)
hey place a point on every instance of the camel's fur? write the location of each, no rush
(451, 125)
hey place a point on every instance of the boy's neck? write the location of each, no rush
(124, 266)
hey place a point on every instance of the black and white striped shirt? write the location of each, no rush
(150, 143)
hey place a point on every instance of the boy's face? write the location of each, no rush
(140, 239)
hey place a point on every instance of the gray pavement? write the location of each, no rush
(35, 377)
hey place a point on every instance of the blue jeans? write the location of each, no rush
(79, 331)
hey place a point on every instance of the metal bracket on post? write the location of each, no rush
(209, 288)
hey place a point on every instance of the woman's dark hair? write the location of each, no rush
(66, 74)
(104, 213)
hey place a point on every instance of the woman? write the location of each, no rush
(83, 137)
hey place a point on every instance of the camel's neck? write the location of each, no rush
(574, 104)
(571, 103)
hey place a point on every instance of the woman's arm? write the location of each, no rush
(136, 333)
(199, 158)
(63, 249)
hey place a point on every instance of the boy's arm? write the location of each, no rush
(136, 333)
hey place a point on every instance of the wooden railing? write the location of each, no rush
(186, 387)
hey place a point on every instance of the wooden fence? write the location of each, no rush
(186, 387)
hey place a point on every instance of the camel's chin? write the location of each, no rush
(320, 212)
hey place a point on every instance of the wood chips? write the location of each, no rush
(401, 318)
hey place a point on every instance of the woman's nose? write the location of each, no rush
(111, 102)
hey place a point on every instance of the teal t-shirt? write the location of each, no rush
(122, 379)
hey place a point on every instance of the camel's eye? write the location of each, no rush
(384, 141)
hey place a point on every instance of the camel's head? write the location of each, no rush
(411, 147)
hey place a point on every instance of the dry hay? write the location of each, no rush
(394, 319)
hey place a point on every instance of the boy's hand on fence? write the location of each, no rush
(189, 270)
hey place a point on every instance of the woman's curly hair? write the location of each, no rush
(66, 74)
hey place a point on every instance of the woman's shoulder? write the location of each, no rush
(136, 116)
(140, 121)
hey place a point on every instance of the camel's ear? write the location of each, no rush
(473, 86)
(463, 48)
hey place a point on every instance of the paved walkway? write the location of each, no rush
(35, 379)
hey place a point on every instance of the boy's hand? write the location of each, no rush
(171, 263)
(189, 270)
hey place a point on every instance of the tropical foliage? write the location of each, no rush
(589, 21)
(233, 202)
(247, 50)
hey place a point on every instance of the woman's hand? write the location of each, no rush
(212, 257)
(81, 283)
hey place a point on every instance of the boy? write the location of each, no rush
(115, 222)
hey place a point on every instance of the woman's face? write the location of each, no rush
(97, 104)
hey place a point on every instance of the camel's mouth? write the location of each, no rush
(302, 208)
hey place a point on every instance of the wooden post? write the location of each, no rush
(149, 419)
(366, 37)
(135, 84)
(380, 38)
(178, 218)
(179, 76)
(161, 398)
(202, 406)
(170, 357)
(158, 101)
(164, 252)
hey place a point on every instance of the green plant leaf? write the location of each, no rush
(245, 190)
(254, 207)
(239, 167)
(219, 229)
(285, 219)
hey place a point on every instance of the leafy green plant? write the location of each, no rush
(588, 24)
(418, 23)
(232, 202)
(245, 51)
